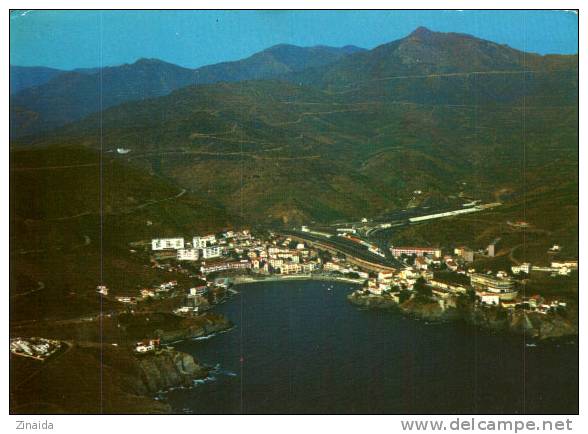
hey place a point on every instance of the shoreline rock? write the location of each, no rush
(210, 327)
(532, 324)
(165, 370)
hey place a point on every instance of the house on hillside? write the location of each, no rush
(147, 345)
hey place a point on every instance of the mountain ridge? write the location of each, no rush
(71, 95)
(425, 52)
(359, 132)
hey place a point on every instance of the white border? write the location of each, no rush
(260, 424)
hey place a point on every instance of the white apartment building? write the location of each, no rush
(418, 251)
(211, 252)
(167, 243)
(202, 242)
(188, 255)
(290, 268)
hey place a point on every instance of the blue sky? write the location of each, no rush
(73, 39)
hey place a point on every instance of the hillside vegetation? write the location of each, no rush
(71, 225)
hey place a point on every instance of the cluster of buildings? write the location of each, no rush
(159, 290)
(536, 303)
(561, 268)
(239, 250)
(35, 348)
(490, 289)
(204, 247)
(131, 299)
(341, 266)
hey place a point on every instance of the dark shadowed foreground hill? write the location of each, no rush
(72, 215)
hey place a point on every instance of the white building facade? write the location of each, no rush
(211, 252)
(167, 243)
(201, 242)
(188, 255)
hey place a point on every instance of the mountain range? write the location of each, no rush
(44, 98)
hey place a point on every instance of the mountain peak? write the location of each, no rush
(278, 47)
(149, 61)
(421, 32)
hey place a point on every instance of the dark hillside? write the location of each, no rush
(60, 249)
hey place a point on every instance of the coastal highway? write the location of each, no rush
(348, 248)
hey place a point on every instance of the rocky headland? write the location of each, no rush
(461, 308)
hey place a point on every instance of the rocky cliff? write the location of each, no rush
(90, 378)
(533, 324)
(168, 368)
(194, 329)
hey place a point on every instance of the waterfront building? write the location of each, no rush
(308, 267)
(198, 291)
(212, 267)
(290, 268)
(276, 263)
(503, 287)
(331, 266)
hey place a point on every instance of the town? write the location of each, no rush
(220, 260)
(212, 264)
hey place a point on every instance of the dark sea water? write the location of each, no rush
(299, 348)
